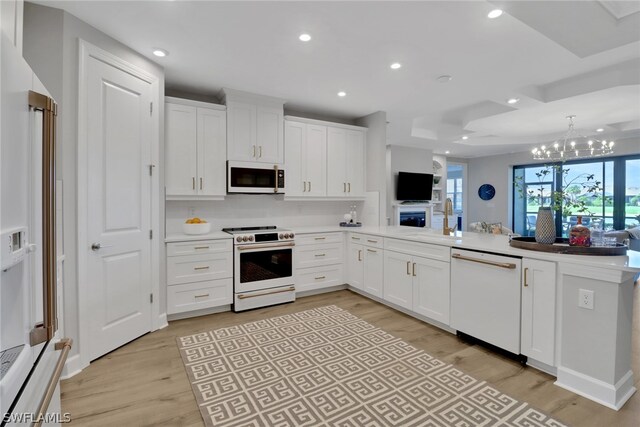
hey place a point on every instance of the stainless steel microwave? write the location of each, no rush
(251, 177)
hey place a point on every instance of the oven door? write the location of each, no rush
(247, 177)
(263, 266)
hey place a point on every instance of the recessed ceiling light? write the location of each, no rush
(304, 37)
(513, 100)
(465, 137)
(396, 65)
(444, 78)
(160, 52)
(495, 13)
(447, 152)
(599, 130)
(342, 94)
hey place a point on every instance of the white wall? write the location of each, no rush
(405, 159)
(60, 35)
(376, 159)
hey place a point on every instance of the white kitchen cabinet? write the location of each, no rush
(365, 263)
(255, 128)
(373, 271)
(195, 149)
(538, 310)
(355, 265)
(431, 288)
(319, 261)
(345, 162)
(398, 282)
(306, 159)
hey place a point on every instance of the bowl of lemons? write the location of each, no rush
(196, 226)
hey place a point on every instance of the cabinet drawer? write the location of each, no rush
(312, 239)
(195, 296)
(308, 279)
(317, 255)
(427, 250)
(367, 240)
(198, 268)
(199, 247)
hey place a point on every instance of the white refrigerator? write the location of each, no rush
(32, 353)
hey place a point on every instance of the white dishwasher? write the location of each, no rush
(485, 297)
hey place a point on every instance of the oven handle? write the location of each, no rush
(273, 245)
(289, 289)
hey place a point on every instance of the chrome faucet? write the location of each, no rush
(448, 210)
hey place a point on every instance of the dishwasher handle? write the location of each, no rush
(507, 265)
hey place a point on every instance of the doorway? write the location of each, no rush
(456, 191)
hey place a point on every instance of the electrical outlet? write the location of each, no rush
(586, 299)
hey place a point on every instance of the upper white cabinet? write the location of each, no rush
(306, 159)
(195, 149)
(345, 162)
(538, 310)
(255, 127)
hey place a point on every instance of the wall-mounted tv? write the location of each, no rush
(414, 186)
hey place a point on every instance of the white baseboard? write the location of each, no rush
(162, 321)
(198, 313)
(72, 367)
(551, 370)
(610, 395)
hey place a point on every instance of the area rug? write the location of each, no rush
(327, 367)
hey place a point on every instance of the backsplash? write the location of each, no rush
(241, 210)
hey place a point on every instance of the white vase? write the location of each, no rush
(545, 226)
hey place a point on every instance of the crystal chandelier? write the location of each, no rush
(573, 146)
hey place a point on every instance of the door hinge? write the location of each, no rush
(151, 108)
(150, 234)
(151, 169)
(151, 298)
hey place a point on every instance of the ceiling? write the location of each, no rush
(557, 57)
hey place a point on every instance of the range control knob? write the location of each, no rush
(291, 235)
(281, 236)
(245, 239)
(238, 239)
(286, 235)
(251, 238)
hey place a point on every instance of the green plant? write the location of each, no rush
(576, 194)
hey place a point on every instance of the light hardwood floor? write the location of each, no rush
(144, 383)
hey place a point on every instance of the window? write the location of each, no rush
(454, 192)
(616, 205)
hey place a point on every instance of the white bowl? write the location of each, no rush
(196, 228)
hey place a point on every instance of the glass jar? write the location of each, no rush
(579, 235)
(597, 233)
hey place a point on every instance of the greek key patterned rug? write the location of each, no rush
(327, 367)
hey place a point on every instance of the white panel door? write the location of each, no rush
(315, 156)
(118, 154)
(539, 310)
(295, 179)
(241, 131)
(355, 163)
(336, 162)
(373, 271)
(355, 266)
(212, 152)
(269, 138)
(397, 286)
(431, 288)
(180, 150)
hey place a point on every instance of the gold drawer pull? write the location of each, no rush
(321, 254)
(200, 247)
(321, 277)
(355, 238)
(201, 296)
(320, 238)
(372, 241)
(201, 268)
(371, 250)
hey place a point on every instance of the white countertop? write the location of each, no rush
(181, 237)
(483, 242)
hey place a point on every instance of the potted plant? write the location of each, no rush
(574, 197)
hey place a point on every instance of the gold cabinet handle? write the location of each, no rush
(320, 238)
(309, 186)
(201, 268)
(371, 250)
(318, 255)
(201, 296)
(359, 255)
(349, 188)
(526, 270)
(344, 187)
(413, 273)
(254, 151)
(200, 247)
(201, 183)
(372, 241)
(408, 268)
(260, 151)
(193, 182)
(304, 184)
(320, 277)
(355, 238)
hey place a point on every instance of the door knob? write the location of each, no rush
(98, 246)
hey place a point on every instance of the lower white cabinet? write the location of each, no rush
(319, 261)
(366, 263)
(431, 288)
(199, 275)
(537, 338)
(398, 282)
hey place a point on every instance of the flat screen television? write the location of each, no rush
(414, 186)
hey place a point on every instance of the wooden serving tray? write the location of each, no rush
(561, 246)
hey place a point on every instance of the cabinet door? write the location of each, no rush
(241, 131)
(397, 286)
(336, 162)
(355, 144)
(269, 139)
(538, 310)
(355, 266)
(373, 271)
(431, 288)
(315, 158)
(212, 152)
(295, 179)
(180, 150)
